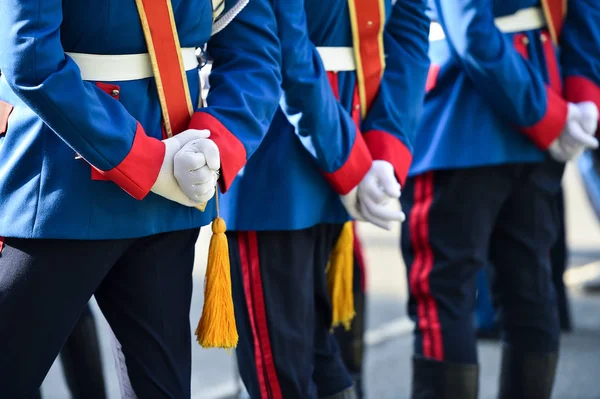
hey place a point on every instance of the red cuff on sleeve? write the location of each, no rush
(232, 151)
(387, 147)
(547, 129)
(138, 171)
(353, 170)
(579, 88)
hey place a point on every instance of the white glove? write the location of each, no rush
(578, 134)
(196, 168)
(167, 184)
(368, 200)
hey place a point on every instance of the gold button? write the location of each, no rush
(115, 93)
(356, 106)
(370, 23)
(525, 40)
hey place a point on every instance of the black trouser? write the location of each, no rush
(351, 342)
(458, 220)
(143, 286)
(283, 313)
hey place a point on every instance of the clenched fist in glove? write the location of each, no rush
(368, 201)
(578, 134)
(188, 174)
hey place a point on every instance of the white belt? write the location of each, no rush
(118, 68)
(337, 59)
(521, 21)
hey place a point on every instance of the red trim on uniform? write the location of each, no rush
(432, 76)
(547, 129)
(579, 89)
(265, 365)
(360, 258)
(355, 113)
(174, 84)
(1, 244)
(112, 90)
(521, 42)
(138, 171)
(551, 63)
(334, 83)
(428, 320)
(387, 147)
(369, 22)
(353, 170)
(231, 150)
(5, 111)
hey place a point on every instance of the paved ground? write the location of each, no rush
(389, 339)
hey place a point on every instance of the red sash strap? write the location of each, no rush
(555, 12)
(165, 52)
(368, 21)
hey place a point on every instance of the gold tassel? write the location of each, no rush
(340, 274)
(216, 328)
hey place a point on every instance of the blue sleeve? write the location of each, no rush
(508, 82)
(324, 127)
(245, 86)
(391, 122)
(580, 51)
(90, 121)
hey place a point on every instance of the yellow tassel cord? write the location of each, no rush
(217, 328)
(340, 275)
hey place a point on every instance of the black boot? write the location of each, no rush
(81, 360)
(442, 380)
(527, 375)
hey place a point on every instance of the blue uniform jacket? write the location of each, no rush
(496, 98)
(314, 150)
(48, 114)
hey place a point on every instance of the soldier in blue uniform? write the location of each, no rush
(93, 198)
(488, 161)
(320, 159)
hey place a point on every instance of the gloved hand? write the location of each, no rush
(186, 176)
(368, 200)
(578, 134)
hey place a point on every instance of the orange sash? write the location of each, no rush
(165, 53)
(555, 12)
(368, 21)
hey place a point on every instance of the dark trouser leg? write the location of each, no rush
(526, 229)
(44, 287)
(331, 375)
(146, 299)
(445, 242)
(485, 313)
(81, 360)
(351, 342)
(276, 306)
(559, 258)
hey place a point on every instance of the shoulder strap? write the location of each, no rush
(368, 21)
(165, 52)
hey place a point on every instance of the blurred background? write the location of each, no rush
(388, 336)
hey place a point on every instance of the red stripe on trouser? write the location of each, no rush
(421, 268)
(253, 290)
